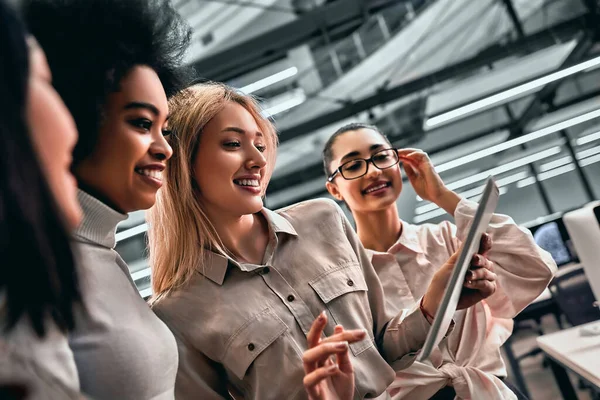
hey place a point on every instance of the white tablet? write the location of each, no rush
(447, 308)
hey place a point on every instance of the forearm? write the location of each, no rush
(448, 201)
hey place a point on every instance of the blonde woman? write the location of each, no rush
(240, 285)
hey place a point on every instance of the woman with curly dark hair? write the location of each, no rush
(115, 62)
(38, 207)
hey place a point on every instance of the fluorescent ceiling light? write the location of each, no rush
(146, 292)
(569, 168)
(285, 105)
(131, 232)
(588, 138)
(476, 191)
(269, 80)
(520, 140)
(504, 168)
(144, 273)
(590, 160)
(440, 211)
(526, 182)
(556, 172)
(510, 94)
(555, 164)
(588, 152)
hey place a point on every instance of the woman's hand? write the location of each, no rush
(480, 280)
(328, 370)
(426, 181)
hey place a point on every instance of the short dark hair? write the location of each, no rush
(38, 274)
(92, 44)
(328, 149)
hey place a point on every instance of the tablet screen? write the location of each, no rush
(447, 307)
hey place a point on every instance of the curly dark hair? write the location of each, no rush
(92, 44)
(38, 276)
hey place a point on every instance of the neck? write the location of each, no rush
(98, 195)
(245, 237)
(378, 230)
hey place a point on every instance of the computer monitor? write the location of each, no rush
(584, 228)
(552, 236)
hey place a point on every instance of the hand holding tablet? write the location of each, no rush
(454, 276)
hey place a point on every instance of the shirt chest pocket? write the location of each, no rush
(344, 291)
(250, 340)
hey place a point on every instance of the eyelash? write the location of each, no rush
(145, 124)
(238, 144)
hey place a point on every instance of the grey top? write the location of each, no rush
(122, 350)
(22, 347)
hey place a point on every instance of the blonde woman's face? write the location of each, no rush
(230, 163)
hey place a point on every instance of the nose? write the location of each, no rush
(256, 159)
(372, 170)
(160, 148)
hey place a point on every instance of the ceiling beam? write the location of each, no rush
(561, 32)
(346, 15)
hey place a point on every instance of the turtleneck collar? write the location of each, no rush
(99, 223)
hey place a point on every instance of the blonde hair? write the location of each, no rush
(180, 232)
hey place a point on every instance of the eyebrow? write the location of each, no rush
(147, 106)
(357, 153)
(239, 130)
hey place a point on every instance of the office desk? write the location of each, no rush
(569, 350)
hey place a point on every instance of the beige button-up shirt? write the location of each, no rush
(244, 326)
(469, 359)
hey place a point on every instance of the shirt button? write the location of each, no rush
(265, 271)
(291, 297)
(350, 282)
(251, 347)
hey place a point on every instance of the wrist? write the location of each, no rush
(426, 310)
(448, 200)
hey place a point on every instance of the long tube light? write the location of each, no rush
(285, 105)
(476, 191)
(511, 94)
(522, 139)
(588, 138)
(269, 80)
(504, 168)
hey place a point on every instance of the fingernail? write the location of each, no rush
(332, 368)
(469, 274)
(469, 282)
(361, 334)
(322, 316)
(341, 345)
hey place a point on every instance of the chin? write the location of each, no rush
(142, 203)
(250, 207)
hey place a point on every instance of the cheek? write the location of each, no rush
(120, 146)
(52, 129)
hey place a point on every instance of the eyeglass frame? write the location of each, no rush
(367, 161)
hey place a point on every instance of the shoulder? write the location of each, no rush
(312, 209)
(314, 217)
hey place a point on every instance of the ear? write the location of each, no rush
(334, 191)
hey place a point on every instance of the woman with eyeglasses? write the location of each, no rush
(241, 285)
(363, 171)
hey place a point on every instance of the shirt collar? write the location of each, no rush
(99, 224)
(409, 238)
(278, 223)
(216, 265)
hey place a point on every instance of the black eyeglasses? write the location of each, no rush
(358, 167)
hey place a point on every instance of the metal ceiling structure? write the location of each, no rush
(400, 64)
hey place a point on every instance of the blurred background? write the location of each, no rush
(509, 88)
